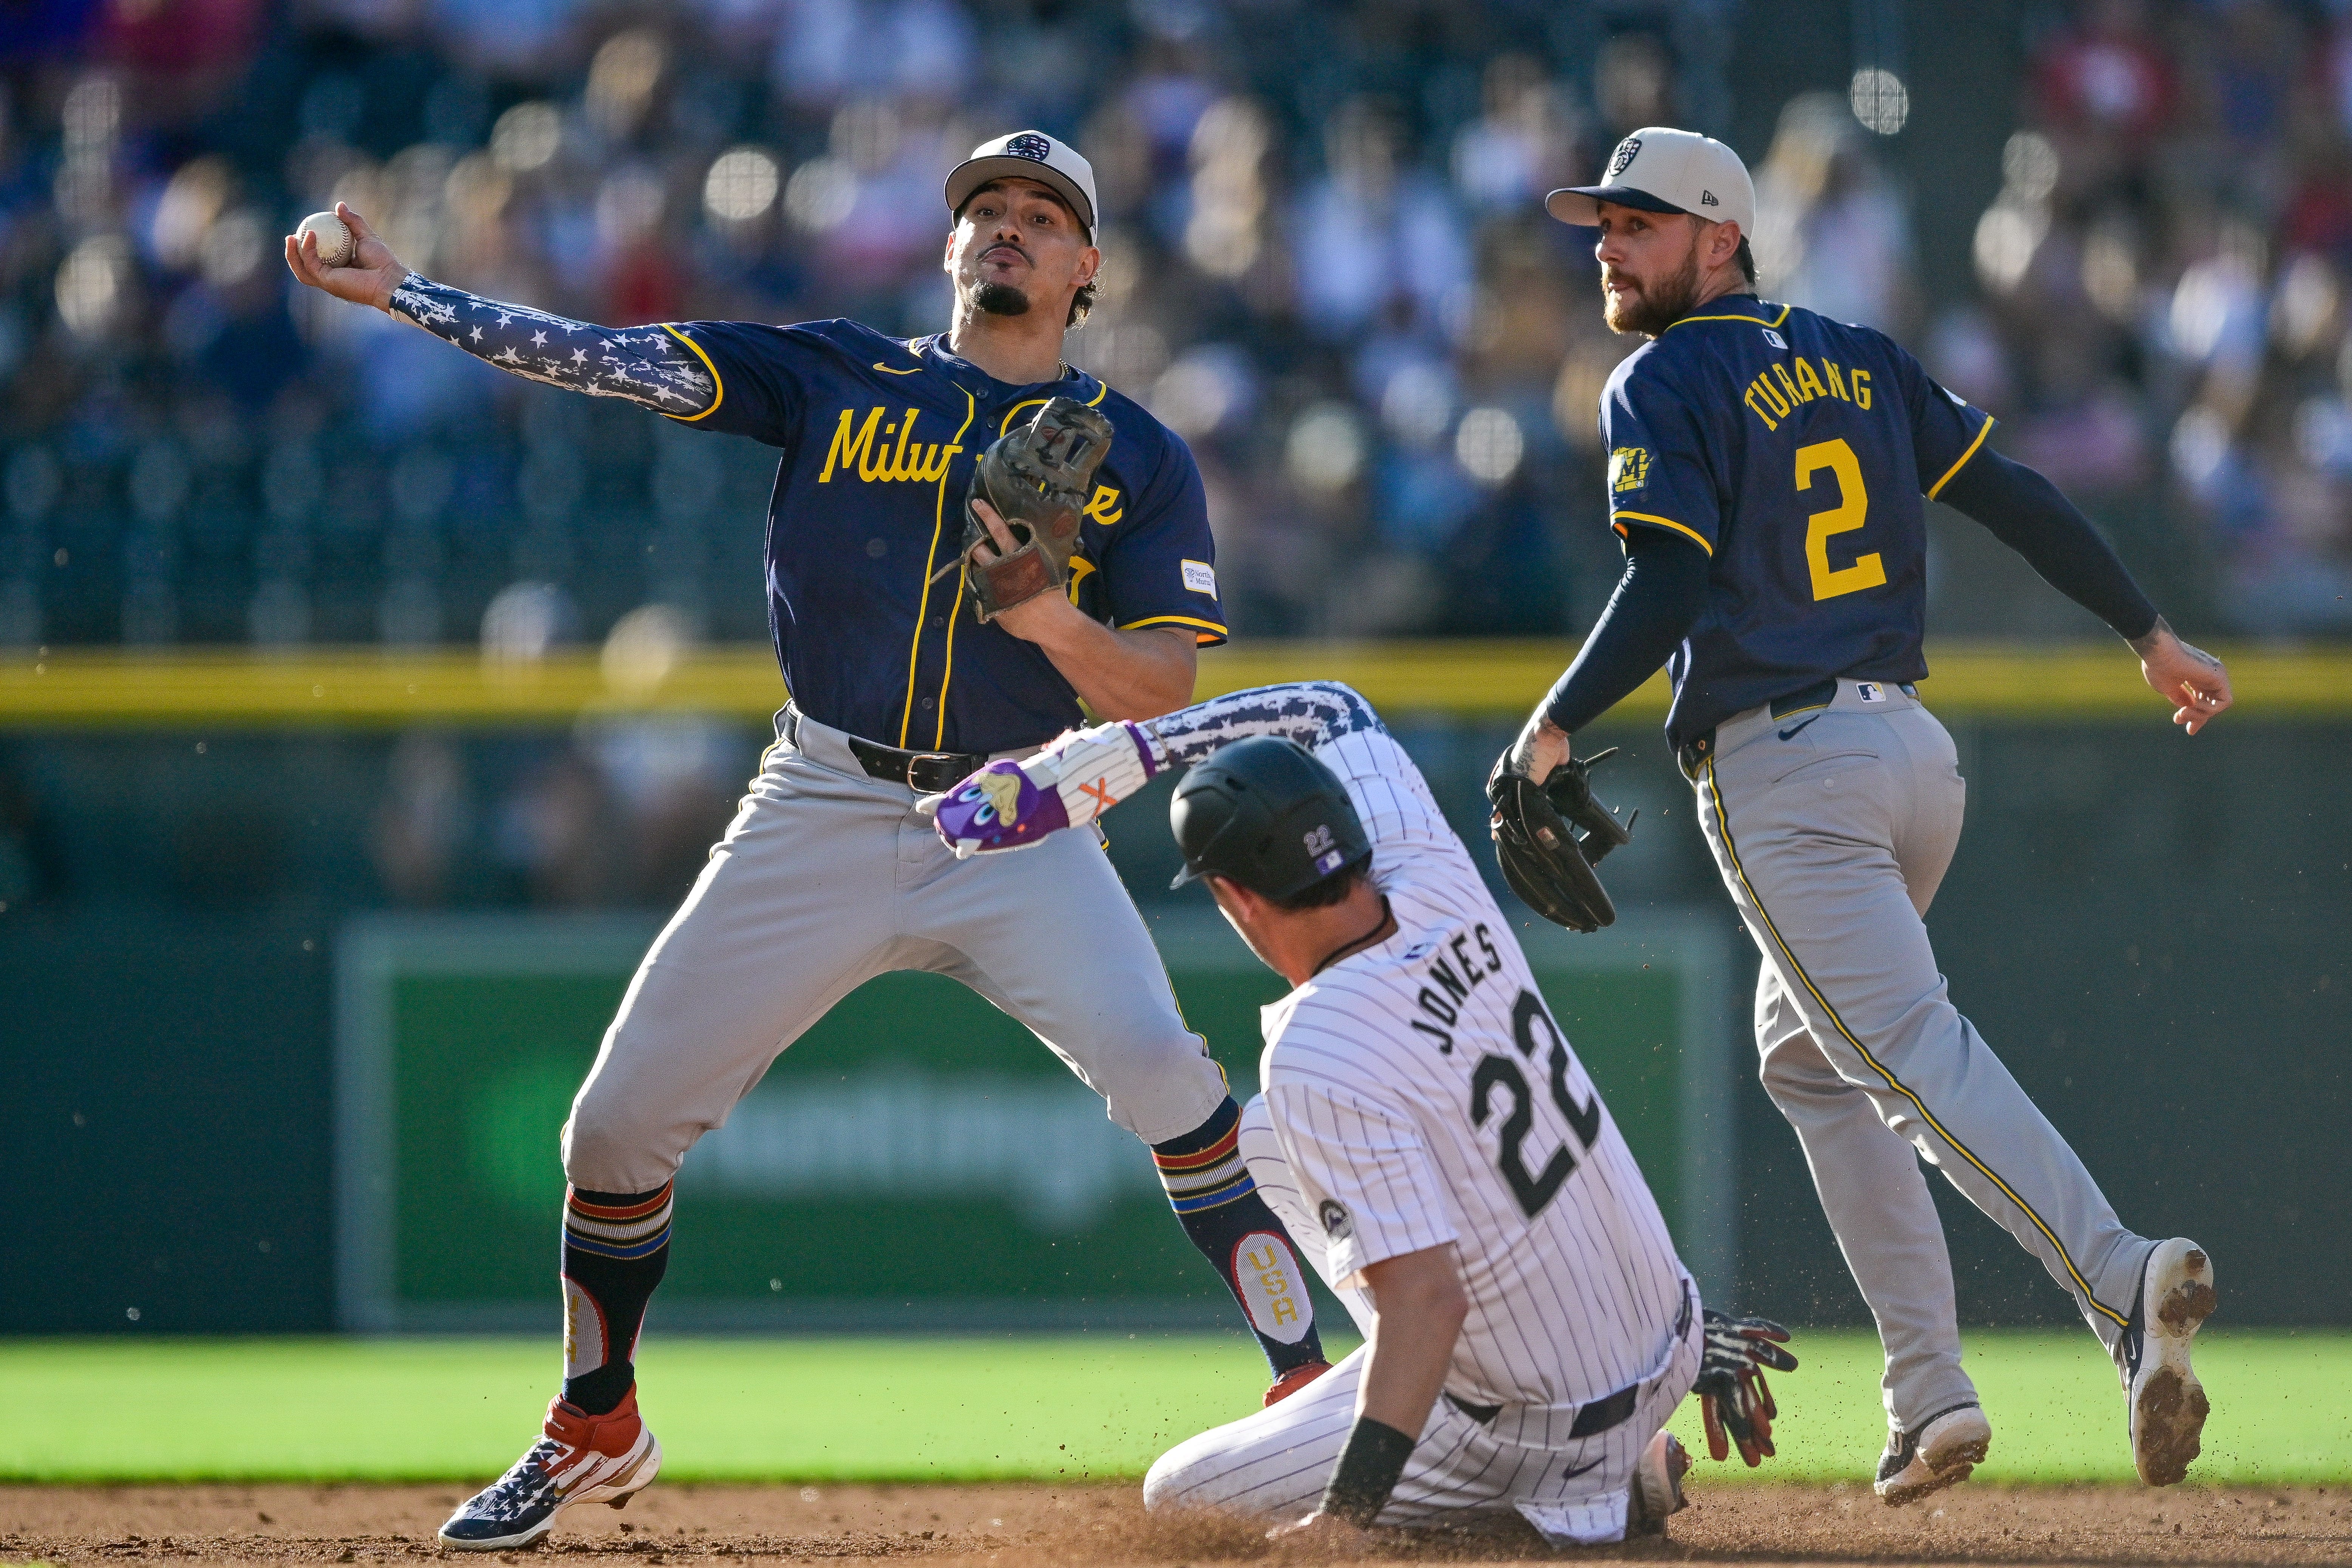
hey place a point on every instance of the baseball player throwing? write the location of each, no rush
(1766, 468)
(1429, 1139)
(966, 537)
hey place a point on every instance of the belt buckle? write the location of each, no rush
(914, 764)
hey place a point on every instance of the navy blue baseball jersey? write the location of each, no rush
(879, 435)
(1795, 451)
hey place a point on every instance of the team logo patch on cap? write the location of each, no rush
(1627, 151)
(1029, 145)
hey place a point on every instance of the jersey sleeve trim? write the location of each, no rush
(1982, 431)
(1209, 632)
(717, 387)
(1690, 533)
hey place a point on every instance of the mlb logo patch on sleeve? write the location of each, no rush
(1200, 577)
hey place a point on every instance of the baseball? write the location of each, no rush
(334, 239)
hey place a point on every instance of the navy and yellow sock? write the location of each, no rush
(615, 1247)
(1220, 1208)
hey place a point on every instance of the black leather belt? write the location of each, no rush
(1598, 1415)
(1693, 752)
(925, 773)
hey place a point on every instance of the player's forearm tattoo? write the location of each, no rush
(646, 365)
(1311, 712)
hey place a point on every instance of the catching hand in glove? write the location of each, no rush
(1734, 1398)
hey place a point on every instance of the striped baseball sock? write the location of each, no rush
(615, 1246)
(1208, 1186)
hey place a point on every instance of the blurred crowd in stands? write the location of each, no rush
(1326, 265)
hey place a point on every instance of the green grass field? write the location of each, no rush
(1007, 1408)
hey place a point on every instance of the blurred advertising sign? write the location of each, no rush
(916, 1161)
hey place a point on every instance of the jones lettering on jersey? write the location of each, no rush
(870, 450)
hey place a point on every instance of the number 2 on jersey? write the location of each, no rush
(1853, 507)
(1534, 1192)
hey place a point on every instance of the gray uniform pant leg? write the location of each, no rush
(1832, 842)
(827, 877)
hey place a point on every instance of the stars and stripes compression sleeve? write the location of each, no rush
(644, 366)
(1312, 712)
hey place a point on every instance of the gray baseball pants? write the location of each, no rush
(828, 877)
(1832, 828)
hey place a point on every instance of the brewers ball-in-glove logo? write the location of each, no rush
(1627, 151)
(1031, 145)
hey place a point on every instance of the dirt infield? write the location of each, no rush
(1068, 1526)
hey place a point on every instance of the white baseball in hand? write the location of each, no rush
(335, 246)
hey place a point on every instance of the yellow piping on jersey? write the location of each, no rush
(1731, 852)
(1690, 533)
(1982, 431)
(1006, 428)
(923, 604)
(717, 387)
(1211, 631)
(885, 370)
(1758, 319)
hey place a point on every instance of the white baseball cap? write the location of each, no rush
(1029, 155)
(1662, 169)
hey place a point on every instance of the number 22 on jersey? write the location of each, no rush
(1853, 509)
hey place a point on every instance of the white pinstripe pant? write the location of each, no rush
(1273, 1463)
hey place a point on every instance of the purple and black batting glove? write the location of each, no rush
(999, 808)
(1011, 805)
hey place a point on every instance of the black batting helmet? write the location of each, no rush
(1264, 812)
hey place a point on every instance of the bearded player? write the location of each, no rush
(1430, 1139)
(916, 646)
(1767, 469)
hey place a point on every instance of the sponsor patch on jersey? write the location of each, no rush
(1775, 339)
(1629, 469)
(1870, 691)
(1200, 577)
(1337, 1225)
(1272, 1291)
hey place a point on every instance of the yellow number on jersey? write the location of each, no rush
(1853, 507)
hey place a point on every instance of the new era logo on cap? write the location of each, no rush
(1661, 169)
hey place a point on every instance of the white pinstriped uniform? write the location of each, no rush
(1417, 1093)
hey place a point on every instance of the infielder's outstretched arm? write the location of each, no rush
(2026, 511)
(646, 365)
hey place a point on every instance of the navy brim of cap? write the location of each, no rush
(1579, 204)
(969, 177)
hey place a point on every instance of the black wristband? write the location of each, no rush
(1367, 1471)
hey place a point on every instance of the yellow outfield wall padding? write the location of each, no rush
(109, 687)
